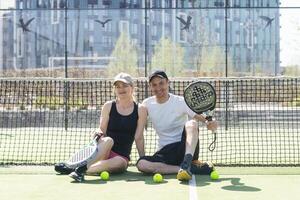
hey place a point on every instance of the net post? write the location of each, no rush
(66, 111)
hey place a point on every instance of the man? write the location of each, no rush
(178, 143)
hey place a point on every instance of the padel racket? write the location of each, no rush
(201, 97)
(84, 155)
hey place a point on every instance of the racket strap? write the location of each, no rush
(212, 145)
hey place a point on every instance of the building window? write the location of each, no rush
(218, 23)
(91, 26)
(21, 5)
(249, 38)
(106, 2)
(218, 37)
(237, 37)
(124, 27)
(182, 33)
(55, 12)
(106, 41)
(134, 29)
(135, 41)
(107, 27)
(76, 4)
(154, 30)
(20, 43)
(167, 18)
(92, 2)
(62, 4)
(91, 40)
(105, 13)
(39, 4)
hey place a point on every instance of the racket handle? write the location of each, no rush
(97, 136)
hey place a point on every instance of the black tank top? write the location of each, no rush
(122, 130)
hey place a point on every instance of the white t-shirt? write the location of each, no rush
(168, 118)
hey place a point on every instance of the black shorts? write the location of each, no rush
(172, 154)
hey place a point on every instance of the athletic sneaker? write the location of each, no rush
(79, 177)
(62, 168)
(201, 167)
(78, 174)
(196, 167)
(184, 173)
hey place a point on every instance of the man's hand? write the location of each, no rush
(212, 125)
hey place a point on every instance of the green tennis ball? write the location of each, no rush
(214, 175)
(157, 178)
(104, 175)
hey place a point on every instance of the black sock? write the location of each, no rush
(81, 169)
(187, 160)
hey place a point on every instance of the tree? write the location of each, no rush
(168, 56)
(125, 57)
(210, 59)
(209, 54)
(291, 70)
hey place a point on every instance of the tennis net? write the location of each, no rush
(43, 121)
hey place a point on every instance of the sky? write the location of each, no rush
(4, 4)
(289, 33)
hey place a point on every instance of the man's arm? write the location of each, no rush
(200, 118)
(139, 133)
(211, 125)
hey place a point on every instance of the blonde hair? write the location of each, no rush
(133, 91)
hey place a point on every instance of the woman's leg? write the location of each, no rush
(112, 165)
(104, 146)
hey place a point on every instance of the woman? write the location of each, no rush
(120, 125)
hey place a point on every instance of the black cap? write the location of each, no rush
(158, 73)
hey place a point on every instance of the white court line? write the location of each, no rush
(193, 188)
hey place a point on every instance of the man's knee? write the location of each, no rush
(143, 166)
(191, 126)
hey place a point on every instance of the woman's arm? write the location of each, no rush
(104, 118)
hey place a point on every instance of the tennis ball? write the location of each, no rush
(104, 175)
(157, 178)
(214, 175)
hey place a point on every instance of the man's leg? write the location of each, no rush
(192, 137)
(156, 167)
(165, 161)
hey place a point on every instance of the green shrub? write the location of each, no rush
(56, 102)
(52, 102)
(295, 102)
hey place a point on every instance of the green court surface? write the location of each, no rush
(36, 182)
